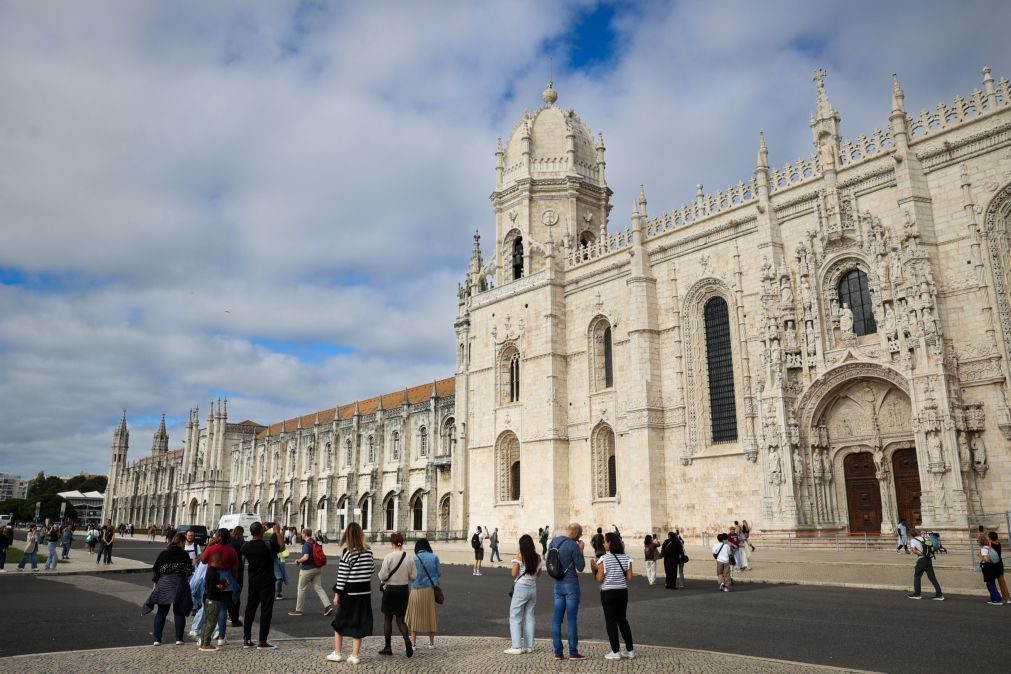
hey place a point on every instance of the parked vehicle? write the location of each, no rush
(199, 532)
(238, 520)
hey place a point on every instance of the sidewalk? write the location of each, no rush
(80, 562)
(452, 654)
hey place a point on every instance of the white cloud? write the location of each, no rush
(201, 182)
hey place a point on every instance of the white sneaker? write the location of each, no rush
(528, 650)
(431, 647)
(215, 635)
(222, 642)
(157, 643)
(514, 651)
(628, 655)
(613, 656)
(180, 643)
(353, 659)
(335, 657)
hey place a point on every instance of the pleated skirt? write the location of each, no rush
(421, 613)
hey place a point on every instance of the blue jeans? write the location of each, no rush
(280, 576)
(35, 559)
(53, 560)
(521, 616)
(566, 602)
(159, 622)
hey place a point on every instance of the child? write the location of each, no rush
(214, 588)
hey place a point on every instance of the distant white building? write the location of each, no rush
(12, 486)
(88, 505)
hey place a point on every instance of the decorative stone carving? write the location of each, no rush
(964, 455)
(979, 463)
(846, 320)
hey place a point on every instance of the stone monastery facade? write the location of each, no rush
(822, 346)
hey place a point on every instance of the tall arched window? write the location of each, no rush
(507, 467)
(347, 452)
(390, 513)
(449, 437)
(509, 374)
(372, 449)
(423, 442)
(853, 291)
(395, 445)
(720, 364)
(365, 514)
(601, 354)
(605, 478)
(417, 514)
(517, 258)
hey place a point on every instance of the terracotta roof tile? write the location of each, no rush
(443, 388)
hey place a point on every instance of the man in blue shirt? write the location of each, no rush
(570, 558)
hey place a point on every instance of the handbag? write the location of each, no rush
(439, 596)
(382, 583)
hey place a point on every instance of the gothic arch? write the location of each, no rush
(996, 226)
(390, 512)
(448, 439)
(600, 350)
(445, 511)
(507, 468)
(417, 511)
(832, 272)
(604, 462)
(696, 373)
(509, 373)
(811, 404)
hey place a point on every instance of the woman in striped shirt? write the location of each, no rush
(614, 571)
(352, 594)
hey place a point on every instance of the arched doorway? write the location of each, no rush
(322, 510)
(907, 485)
(365, 512)
(194, 506)
(342, 515)
(444, 513)
(390, 512)
(863, 493)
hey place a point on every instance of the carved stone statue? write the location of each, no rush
(846, 319)
(889, 321)
(786, 292)
(978, 454)
(826, 463)
(929, 326)
(935, 449)
(964, 456)
(798, 464)
(895, 267)
(775, 466)
(791, 336)
(812, 340)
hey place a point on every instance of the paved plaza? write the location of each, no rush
(453, 654)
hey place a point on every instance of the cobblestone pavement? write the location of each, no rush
(452, 654)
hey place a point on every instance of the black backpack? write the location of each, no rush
(553, 564)
(475, 541)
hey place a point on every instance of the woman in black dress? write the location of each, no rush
(352, 594)
(671, 552)
(395, 576)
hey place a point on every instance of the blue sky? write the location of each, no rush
(275, 201)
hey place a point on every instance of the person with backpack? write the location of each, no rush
(613, 570)
(597, 543)
(477, 542)
(564, 562)
(395, 576)
(227, 568)
(992, 567)
(723, 553)
(995, 544)
(924, 551)
(542, 537)
(526, 566)
(310, 565)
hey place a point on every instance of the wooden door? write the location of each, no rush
(863, 495)
(907, 485)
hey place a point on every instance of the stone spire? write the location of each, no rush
(160, 443)
(121, 437)
(642, 200)
(898, 96)
(826, 120)
(763, 152)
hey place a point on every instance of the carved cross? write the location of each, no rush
(819, 77)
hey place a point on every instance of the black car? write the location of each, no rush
(199, 532)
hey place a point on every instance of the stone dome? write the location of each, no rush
(548, 128)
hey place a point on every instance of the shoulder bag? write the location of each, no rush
(440, 597)
(382, 583)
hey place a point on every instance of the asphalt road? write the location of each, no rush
(863, 629)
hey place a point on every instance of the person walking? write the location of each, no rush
(150, 534)
(924, 565)
(107, 540)
(236, 540)
(5, 544)
(542, 537)
(572, 562)
(66, 541)
(259, 554)
(92, 539)
(477, 542)
(671, 553)
(651, 552)
(52, 541)
(395, 576)
(308, 576)
(31, 550)
(903, 541)
(992, 567)
(352, 594)
(746, 534)
(613, 570)
(227, 566)
(171, 589)
(526, 566)
(494, 546)
(995, 544)
(724, 554)
(422, 615)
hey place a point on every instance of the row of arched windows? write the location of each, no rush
(449, 443)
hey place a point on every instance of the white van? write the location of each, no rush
(238, 520)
